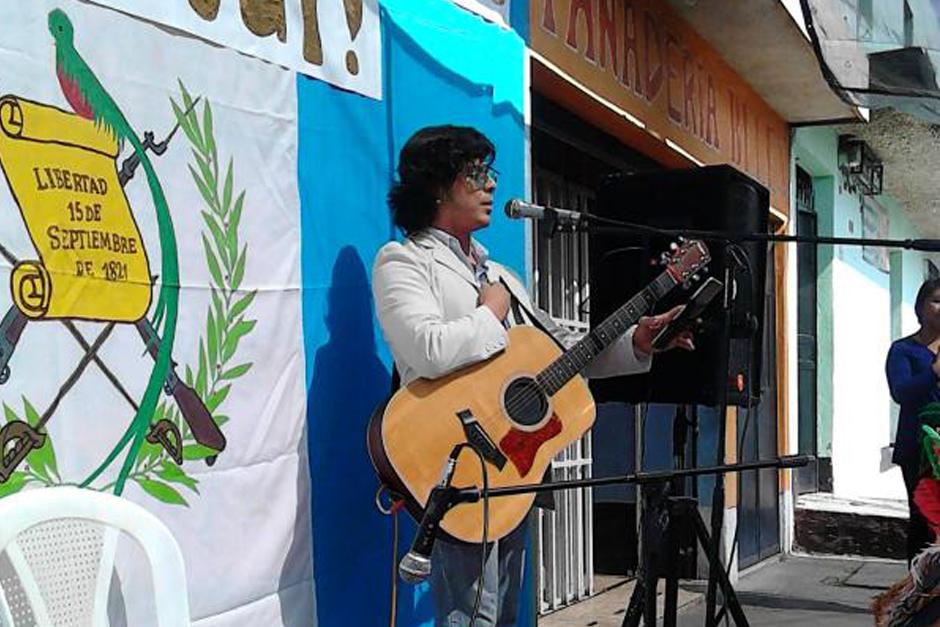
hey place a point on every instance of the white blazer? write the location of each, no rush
(426, 299)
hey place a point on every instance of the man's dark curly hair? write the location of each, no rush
(926, 290)
(428, 165)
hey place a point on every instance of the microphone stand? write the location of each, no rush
(598, 224)
(662, 520)
(784, 462)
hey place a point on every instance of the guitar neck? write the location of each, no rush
(575, 359)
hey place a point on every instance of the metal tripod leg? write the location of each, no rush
(671, 598)
(653, 529)
(689, 508)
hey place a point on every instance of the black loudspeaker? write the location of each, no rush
(728, 347)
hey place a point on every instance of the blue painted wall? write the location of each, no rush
(348, 148)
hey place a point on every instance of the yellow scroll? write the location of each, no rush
(61, 170)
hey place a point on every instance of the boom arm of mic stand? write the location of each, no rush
(474, 494)
(597, 224)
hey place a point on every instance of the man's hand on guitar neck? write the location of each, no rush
(649, 326)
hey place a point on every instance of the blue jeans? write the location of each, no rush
(455, 574)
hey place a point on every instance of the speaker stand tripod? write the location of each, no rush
(665, 518)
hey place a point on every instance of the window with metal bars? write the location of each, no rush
(565, 534)
(570, 161)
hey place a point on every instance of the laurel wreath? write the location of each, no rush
(226, 326)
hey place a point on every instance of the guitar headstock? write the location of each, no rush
(686, 258)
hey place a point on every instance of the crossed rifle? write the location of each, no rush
(18, 438)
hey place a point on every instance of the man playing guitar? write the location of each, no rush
(443, 305)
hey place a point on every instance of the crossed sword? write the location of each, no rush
(18, 438)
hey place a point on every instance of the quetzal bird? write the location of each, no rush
(89, 99)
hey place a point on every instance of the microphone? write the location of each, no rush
(517, 209)
(415, 566)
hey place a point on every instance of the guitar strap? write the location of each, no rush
(534, 319)
(518, 318)
(544, 500)
(517, 309)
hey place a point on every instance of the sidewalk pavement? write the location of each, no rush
(796, 590)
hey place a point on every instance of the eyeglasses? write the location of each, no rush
(479, 174)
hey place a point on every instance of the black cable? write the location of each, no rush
(741, 256)
(486, 533)
(391, 510)
(393, 611)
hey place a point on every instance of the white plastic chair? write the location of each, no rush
(57, 550)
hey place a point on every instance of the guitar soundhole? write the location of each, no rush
(525, 403)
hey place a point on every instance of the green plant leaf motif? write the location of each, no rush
(185, 124)
(239, 272)
(197, 451)
(148, 453)
(207, 177)
(241, 328)
(241, 305)
(9, 413)
(187, 99)
(217, 397)
(210, 136)
(234, 373)
(202, 371)
(16, 482)
(207, 119)
(191, 116)
(42, 460)
(32, 416)
(174, 474)
(212, 340)
(39, 470)
(218, 238)
(227, 188)
(161, 491)
(234, 219)
(212, 263)
(158, 414)
(220, 419)
(194, 124)
(204, 190)
(182, 425)
(220, 318)
(188, 377)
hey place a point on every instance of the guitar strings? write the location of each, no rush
(526, 397)
(557, 380)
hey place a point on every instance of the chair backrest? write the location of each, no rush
(57, 550)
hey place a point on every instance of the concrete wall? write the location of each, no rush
(855, 328)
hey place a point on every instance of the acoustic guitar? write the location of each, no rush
(519, 409)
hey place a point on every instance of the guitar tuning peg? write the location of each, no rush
(673, 247)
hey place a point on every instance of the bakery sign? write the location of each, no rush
(642, 57)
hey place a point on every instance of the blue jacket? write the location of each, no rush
(913, 384)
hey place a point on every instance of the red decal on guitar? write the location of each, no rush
(521, 446)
